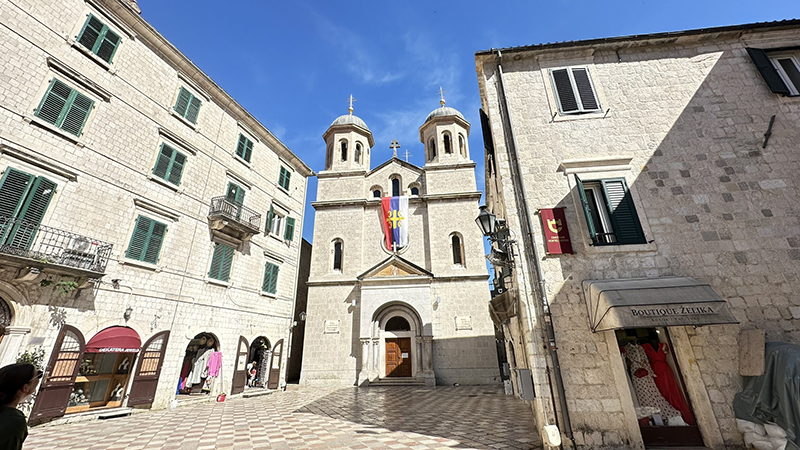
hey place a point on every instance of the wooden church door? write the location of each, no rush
(398, 357)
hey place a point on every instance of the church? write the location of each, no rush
(398, 288)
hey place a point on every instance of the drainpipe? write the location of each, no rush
(529, 242)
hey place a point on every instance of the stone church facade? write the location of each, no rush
(419, 314)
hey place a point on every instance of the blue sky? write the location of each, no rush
(293, 64)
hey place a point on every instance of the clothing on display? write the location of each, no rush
(214, 363)
(665, 380)
(650, 399)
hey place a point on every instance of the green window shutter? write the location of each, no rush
(768, 71)
(90, 33)
(32, 212)
(270, 216)
(281, 176)
(107, 45)
(78, 108)
(235, 194)
(176, 170)
(14, 187)
(585, 89)
(53, 104)
(623, 212)
(141, 232)
(157, 232)
(244, 149)
(165, 156)
(182, 104)
(270, 283)
(221, 262)
(193, 110)
(586, 209)
(289, 232)
(564, 92)
(283, 179)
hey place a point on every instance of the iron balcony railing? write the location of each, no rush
(49, 245)
(221, 206)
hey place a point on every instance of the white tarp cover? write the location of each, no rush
(653, 302)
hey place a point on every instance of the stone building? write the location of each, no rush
(146, 218)
(665, 168)
(417, 314)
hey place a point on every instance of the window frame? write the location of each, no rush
(276, 221)
(284, 178)
(337, 258)
(244, 148)
(226, 253)
(145, 246)
(272, 271)
(605, 217)
(457, 251)
(581, 110)
(289, 229)
(170, 165)
(185, 114)
(67, 107)
(774, 58)
(100, 39)
(30, 205)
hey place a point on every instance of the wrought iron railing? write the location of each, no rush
(221, 206)
(49, 245)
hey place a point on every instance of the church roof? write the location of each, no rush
(398, 161)
(349, 119)
(394, 266)
(444, 111)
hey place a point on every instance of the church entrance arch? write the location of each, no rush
(399, 329)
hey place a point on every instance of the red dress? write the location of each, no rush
(665, 380)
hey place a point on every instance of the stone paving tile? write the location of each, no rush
(376, 418)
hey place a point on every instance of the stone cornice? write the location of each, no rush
(464, 165)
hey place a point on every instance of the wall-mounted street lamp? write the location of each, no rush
(127, 314)
(501, 255)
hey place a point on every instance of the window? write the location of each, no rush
(284, 178)
(275, 221)
(64, 107)
(235, 194)
(780, 70)
(397, 323)
(462, 148)
(458, 250)
(145, 245)
(187, 105)
(169, 165)
(432, 148)
(270, 283)
(23, 197)
(447, 147)
(357, 156)
(610, 212)
(415, 191)
(376, 193)
(288, 233)
(98, 38)
(221, 262)
(337, 255)
(344, 150)
(329, 157)
(244, 149)
(574, 90)
(395, 187)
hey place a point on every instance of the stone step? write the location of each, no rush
(255, 392)
(117, 412)
(397, 382)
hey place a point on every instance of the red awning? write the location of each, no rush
(115, 340)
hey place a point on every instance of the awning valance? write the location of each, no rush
(115, 340)
(653, 302)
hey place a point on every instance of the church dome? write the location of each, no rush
(349, 119)
(444, 111)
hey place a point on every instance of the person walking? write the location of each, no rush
(17, 382)
(252, 374)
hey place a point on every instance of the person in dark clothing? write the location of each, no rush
(17, 381)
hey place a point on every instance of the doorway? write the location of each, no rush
(657, 388)
(198, 369)
(398, 357)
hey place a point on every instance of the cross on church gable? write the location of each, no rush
(394, 146)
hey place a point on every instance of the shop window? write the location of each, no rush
(98, 38)
(244, 148)
(610, 213)
(64, 108)
(270, 282)
(101, 381)
(284, 178)
(187, 105)
(574, 90)
(145, 244)
(338, 249)
(221, 262)
(169, 165)
(201, 365)
(24, 199)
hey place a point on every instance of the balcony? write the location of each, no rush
(232, 219)
(24, 244)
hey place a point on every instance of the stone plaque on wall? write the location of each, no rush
(463, 323)
(331, 327)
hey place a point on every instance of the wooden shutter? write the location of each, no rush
(14, 187)
(193, 110)
(157, 232)
(240, 368)
(235, 194)
(288, 234)
(275, 365)
(221, 262)
(53, 104)
(768, 71)
(585, 89)
(90, 32)
(182, 104)
(563, 86)
(270, 217)
(59, 378)
(244, 148)
(164, 161)
(587, 211)
(176, 170)
(138, 242)
(286, 179)
(148, 369)
(623, 212)
(78, 108)
(32, 212)
(270, 282)
(107, 45)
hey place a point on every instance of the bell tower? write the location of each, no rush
(348, 142)
(445, 135)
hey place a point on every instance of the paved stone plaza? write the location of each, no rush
(479, 417)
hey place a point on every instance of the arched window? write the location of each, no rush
(447, 146)
(432, 147)
(395, 187)
(458, 250)
(415, 191)
(376, 193)
(357, 156)
(344, 151)
(462, 148)
(397, 323)
(329, 157)
(337, 254)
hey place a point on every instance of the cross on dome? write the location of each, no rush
(441, 95)
(351, 100)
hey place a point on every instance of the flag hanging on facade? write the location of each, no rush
(395, 221)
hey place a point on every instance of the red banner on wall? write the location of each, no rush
(556, 234)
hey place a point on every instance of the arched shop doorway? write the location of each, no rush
(259, 352)
(80, 377)
(201, 365)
